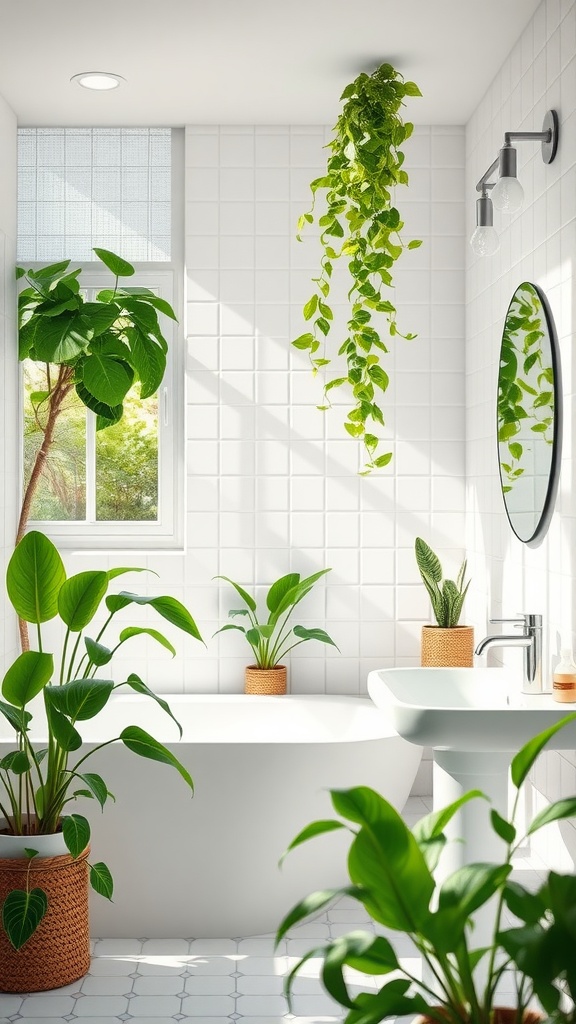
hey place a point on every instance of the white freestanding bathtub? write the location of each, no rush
(207, 865)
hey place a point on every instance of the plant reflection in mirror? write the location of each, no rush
(525, 385)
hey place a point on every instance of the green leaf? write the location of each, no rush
(81, 699)
(304, 341)
(18, 719)
(141, 743)
(101, 880)
(16, 761)
(415, 243)
(26, 677)
(107, 415)
(312, 905)
(99, 654)
(280, 588)
(139, 686)
(411, 89)
(118, 266)
(471, 886)
(66, 736)
(385, 859)
(170, 609)
(316, 828)
(524, 759)
(528, 906)
(108, 380)
(310, 307)
(154, 300)
(379, 377)
(96, 786)
(131, 631)
(34, 577)
(428, 563)
(383, 460)
(313, 634)
(76, 832)
(503, 828)
(100, 316)
(554, 812)
(79, 598)
(243, 593)
(148, 359)
(433, 825)
(22, 912)
(61, 339)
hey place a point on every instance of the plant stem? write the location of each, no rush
(61, 389)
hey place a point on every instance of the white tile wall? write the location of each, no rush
(272, 483)
(537, 244)
(8, 368)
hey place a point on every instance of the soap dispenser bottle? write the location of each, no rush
(564, 680)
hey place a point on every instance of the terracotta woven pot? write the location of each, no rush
(500, 1015)
(271, 681)
(59, 951)
(447, 648)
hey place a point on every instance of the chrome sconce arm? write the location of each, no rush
(507, 192)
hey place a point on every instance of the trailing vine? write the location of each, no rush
(362, 223)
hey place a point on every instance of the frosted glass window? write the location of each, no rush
(85, 187)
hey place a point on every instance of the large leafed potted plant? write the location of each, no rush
(447, 644)
(88, 350)
(391, 876)
(272, 639)
(45, 864)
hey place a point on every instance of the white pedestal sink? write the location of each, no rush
(475, 720)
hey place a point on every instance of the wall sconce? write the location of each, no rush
(507, 192)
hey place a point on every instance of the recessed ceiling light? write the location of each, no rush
(99, 80)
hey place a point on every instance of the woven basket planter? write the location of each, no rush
(58, 952)
(500, 1015)
(270, 681)
(447, 648)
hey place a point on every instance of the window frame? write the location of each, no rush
(167, 532)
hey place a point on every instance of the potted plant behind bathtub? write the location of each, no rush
(271, 640)
(44, 846)
(391, 874)
(447, 644)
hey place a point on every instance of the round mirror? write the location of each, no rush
(529, 413)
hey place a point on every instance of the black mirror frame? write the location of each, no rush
(543, 523)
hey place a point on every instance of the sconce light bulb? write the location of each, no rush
(507, 194)
(484, 241)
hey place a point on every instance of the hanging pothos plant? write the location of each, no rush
(362, 223)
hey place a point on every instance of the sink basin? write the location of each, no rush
(467, 709)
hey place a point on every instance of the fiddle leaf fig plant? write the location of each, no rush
(447, 597)
(38, 784)
(96, 349)
(362, 224)
(391, 869)
(270, 640)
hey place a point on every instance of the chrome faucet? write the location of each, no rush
(530, 639)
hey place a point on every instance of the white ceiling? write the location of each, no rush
(247, 61)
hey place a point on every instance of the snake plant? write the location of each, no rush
(447, 597)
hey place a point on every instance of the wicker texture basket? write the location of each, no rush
(447, 648)
(270, 681)
(59, 951)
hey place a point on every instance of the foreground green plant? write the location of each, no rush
(447, 598)
(271, 640)
(391, 874)
(361, 222)
(38, 784)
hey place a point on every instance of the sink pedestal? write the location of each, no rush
(455, 773)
